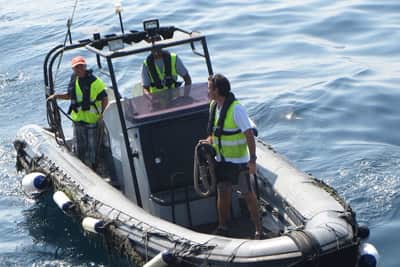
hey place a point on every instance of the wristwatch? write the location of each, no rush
(253, 158)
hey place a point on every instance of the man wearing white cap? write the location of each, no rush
(88, 101)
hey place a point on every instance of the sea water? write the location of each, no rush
(320, 78)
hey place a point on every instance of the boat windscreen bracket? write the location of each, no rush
(96, 36)
(195, 51)
(103, 71)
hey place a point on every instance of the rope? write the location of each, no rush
(330, 228)
(231, 257)
(204, 176)
(146, 244)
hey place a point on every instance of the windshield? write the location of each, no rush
(149, 107)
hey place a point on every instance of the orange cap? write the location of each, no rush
(79, 60)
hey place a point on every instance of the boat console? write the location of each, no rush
(163, 129)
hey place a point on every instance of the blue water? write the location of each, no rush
(320, 78)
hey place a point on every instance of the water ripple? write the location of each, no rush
(320, 79)
(373, 186)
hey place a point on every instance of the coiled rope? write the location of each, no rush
(204, 178)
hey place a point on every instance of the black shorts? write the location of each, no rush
(229, 174)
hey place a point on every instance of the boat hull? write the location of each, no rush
(326, 236)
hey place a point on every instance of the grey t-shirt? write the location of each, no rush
(180, 69)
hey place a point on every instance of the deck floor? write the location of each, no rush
(243, 227)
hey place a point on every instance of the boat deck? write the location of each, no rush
(243, 227)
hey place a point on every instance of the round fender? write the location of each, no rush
(369, 256)
(35, 182)
(62, 201)
(93, 225)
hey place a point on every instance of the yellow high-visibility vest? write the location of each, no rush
(94, 113)
(233, 146)
(161, 74)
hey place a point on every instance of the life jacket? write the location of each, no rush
(86, 104)
(230, 143)
(161, 80)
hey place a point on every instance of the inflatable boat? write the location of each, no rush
(143, 200)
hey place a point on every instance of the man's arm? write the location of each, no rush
(145, 80)
(67, 95)
(182, 71)
(187, 79)
(64, 96)
(146, 90)
(104, 103)
(251, 144)
(243, 121)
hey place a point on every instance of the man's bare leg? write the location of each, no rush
(251, 200)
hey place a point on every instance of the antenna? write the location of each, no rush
(118, 10)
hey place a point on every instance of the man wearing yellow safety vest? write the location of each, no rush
(88, 101)
(231, 134)
(160, 71)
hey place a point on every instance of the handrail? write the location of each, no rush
(96, 45)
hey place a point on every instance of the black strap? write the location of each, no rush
(169, 80)
(85, 85)
(153, 72)
(211, 118)
(218, 131)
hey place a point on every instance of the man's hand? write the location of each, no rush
(208, 140)
(59, 96)
(252, 167)
(53, 96)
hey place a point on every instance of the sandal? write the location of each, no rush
(258, 235)
(221, 230)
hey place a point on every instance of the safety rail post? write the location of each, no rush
(207, 56)
(124, 132)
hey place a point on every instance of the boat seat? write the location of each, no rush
(168, 153)
(176, 194)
